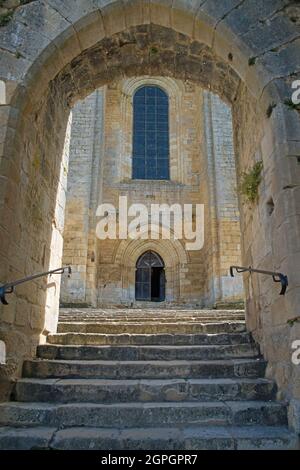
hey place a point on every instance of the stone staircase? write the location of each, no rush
(146, 379)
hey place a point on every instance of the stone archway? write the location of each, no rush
(171, 251)
(65, 51)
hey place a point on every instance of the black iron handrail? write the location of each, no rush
(10, 286)
(277, 277)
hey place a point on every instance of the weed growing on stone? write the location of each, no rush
(250, 182)
(6, 17)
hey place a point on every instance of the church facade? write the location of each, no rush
(162, 141)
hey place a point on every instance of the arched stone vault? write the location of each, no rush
(54, 52)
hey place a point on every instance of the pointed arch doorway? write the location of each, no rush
(150, 279)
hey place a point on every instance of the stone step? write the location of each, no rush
(143, 414)
(159, 339)
(163, 314)
(147, 312)
(149, 321)
(151, 353)
(143, 318)
(152, 327)
(121, 391)
(248, 368)
(172, 438)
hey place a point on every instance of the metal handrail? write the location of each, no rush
(10, 286)
(277, 277)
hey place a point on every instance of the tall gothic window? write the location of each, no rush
(150, 134)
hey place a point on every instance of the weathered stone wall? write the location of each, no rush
(225, 247)
(184, 280)
(199, 164)
(84, 171)
(56, 244)
(269, 247)
(35, 241)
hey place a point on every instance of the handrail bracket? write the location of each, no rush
(277, 277)
(10, 286)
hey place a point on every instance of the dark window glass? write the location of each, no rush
(150, 134)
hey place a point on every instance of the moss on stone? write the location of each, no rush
(36, 162)
(293, 321)
(153, 50)
(6, 17)
(290, 104)
(250, 183)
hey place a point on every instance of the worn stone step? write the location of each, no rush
(126, 311)
(159, 339)
(120, 391)
(151, 320)
(143, 414)
(148, 312)
(55, 368)
(172, 438)
(151, 327)
(152, 353)
(154, 319)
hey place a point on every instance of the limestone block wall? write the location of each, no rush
(202, 171)
(225, 248)
(83, 183)
(116, 281)
(268, 239)
(57, 240)
(95, 200)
